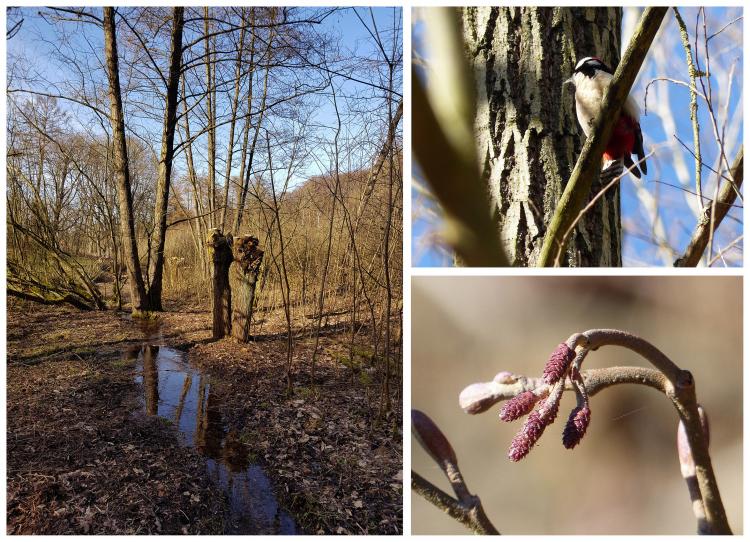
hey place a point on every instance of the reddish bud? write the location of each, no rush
(432, 438)
(519, 406)
(558, 363)
(575, 429)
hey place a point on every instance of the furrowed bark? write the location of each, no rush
(165, 162)
(220, 254)
(138, 296)
(243, 278)
(581, 183)
(527, 132)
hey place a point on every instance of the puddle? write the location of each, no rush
(181, 393)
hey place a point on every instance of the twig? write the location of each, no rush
(678, 187)
(706, 226)
(705, 165)
(730, 23)
(589, 162)
(692, 73)
(721, 253)
(477, 522)
(597, 197)
(668, 80)
(687, 468)
(467, 508)
(677, 384)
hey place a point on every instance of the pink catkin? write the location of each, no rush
(522, 443)
(549, 409)
(576, 427)
(558, 363)
(519, 406)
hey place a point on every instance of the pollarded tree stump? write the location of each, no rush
(243, 276)
(220, 254)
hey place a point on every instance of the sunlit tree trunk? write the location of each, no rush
(527, 133)
(165, 162)
(138, 297)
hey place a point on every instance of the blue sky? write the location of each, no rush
(651, 208)
(343, 25)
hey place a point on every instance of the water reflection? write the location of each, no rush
(179, 392)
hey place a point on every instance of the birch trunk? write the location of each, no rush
(527, 133)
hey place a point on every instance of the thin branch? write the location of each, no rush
(467, 508)
(721, 253)
(692, 73)
(706, 225)
(451, 506)
(730, 23)
(677, 384)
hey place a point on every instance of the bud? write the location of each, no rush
(558, 363)
(575, 429)
(432, 439)
(476, 398)
(519, 406)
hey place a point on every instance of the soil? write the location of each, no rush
(83, 458)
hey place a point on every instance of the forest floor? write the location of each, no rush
(83, 457)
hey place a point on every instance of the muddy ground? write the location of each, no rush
(84, 458)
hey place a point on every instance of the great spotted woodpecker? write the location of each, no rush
(591, 78)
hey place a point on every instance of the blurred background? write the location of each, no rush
(624, 477)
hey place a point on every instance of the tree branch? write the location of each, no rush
(477, 521)
(677, 384)
(467, 508)
(722, 205)
(589, 162)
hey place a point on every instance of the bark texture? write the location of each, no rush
(165, 161)
(121, 168)
(220, 254)
(527, 132)
(243, 276)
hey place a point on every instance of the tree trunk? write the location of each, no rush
(243, 277)
(165, 163)
(138, 297)
(527, 132)
(220, 254)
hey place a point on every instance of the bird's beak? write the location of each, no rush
(568, 82)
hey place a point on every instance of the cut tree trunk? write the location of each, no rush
(527, 132)
(243, 277)
(220, 254)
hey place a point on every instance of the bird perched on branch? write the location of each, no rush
(591, 78)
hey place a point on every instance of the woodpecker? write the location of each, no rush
(591, 78)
